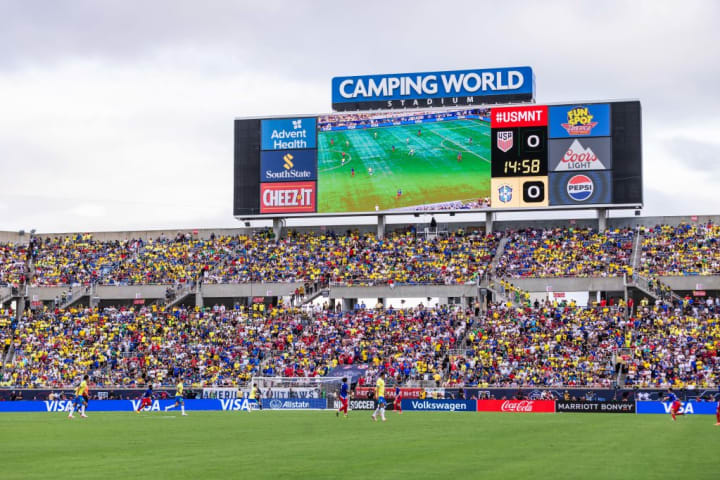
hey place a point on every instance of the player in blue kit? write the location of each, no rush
(146, 399)
(675, 407)
(343, 398)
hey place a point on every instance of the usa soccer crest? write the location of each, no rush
(504, 141)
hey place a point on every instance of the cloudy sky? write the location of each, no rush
(119, 115)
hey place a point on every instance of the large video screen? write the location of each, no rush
(401, 161)
(514, 157)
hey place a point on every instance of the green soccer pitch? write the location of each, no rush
(432, 174)
(317, 445)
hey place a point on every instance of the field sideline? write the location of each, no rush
(432, 174)
(318, 445)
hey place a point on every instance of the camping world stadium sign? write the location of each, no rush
(433, 89)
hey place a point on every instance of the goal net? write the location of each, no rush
(298, 387)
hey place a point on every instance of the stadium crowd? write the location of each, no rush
(538, 345)
(652, 345)
(361, 259)
(686, 249)
(352, 258)
(566, 252)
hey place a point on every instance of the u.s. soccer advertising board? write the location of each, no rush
(468, 158)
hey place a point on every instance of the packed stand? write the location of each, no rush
(358, 259)
(686, 249)
(183, 259)
(123, 347)
(12, 264)
(675, 344)
(547, 345)
(540, 346)
(566, 252)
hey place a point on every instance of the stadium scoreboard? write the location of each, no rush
(514, 157)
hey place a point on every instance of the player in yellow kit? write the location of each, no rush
(82, 395)
(380, 397)
(255, 397)
(179, 401)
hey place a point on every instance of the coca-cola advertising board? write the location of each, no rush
(517, 406)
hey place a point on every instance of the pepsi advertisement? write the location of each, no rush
(581, 188)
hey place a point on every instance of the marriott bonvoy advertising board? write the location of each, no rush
(575, 155)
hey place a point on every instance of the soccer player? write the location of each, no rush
(179, 401)
(675, 407)
(347, 143)
(146, 399)
(370, 171)
(343, 399)
(255, 396)
(332, 142)
(397, 403)
(393, 148)
(82, 394)
(375, 135)
(399, 194)
(352, 172)
(459, 157)
(419, 132)
(411, 152)
(380, 396)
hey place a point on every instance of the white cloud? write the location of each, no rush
(127, 122)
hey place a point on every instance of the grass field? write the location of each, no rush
(431, 175)
(318, 445)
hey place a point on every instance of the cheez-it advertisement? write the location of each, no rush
(288, 197)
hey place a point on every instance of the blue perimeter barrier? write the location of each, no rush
(294, 403)
(694, 408)
(432, 405)
(231, 404)
(243, 404)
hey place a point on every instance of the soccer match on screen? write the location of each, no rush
(375, 240)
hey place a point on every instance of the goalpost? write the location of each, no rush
(313, 390)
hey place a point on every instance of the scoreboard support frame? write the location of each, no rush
(381, 227)
(602, 215)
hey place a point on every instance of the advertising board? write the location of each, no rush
(594, 407)
(517, 406)
(444, 405)
(687, 408)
